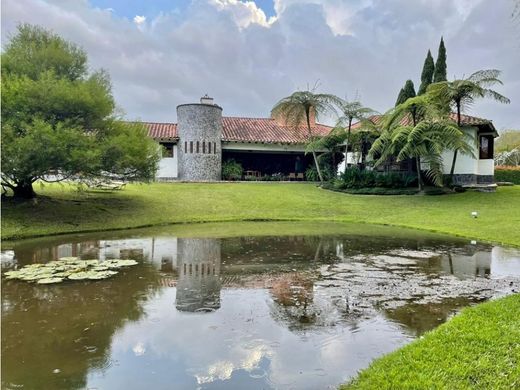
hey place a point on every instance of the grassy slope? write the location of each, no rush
(477, 349)
(63, 210)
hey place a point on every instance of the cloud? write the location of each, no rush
(229, 49)
(244, 12)
(139, 20)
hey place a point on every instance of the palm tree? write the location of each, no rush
(460, 94)
(420, 139)
(352, 111)
(297, 109)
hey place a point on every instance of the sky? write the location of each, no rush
(249, 54)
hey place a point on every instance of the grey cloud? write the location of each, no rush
(368, 46)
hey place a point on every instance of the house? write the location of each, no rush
(196, 146)
(476, 170)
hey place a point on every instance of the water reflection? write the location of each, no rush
(244, 312)
(198, 265)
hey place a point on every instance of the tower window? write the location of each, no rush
(204, 147)
(214, 147)
(197, 146)
(185, 146)
(191, 146)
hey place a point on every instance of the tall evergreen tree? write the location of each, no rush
(408, 91)
(440, 73)
(427, 73)
(400, 97)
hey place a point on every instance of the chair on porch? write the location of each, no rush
(292, 176)
(300, 176)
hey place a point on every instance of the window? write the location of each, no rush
(191, 146)
(167, 150)
(214, 147)
(185, 146)
(197, 146)
(486, 147)
(204, 147)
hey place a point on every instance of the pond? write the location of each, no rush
(237, 306)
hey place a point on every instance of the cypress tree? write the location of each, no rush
(408, 91)
(427, 73)
(440, 66)
(400, 98)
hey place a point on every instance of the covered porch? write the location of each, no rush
(261, 162)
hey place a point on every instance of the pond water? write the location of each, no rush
(287, 310)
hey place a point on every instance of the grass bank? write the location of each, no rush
(477, 349)
(61, 209)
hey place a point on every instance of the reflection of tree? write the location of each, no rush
(67, 327)
(294, 295)
(420, 318)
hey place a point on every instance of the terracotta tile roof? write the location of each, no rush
(266, 130)
(466, 120)
(161, 130)
(235, 129)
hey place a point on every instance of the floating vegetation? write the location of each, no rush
(69, 268)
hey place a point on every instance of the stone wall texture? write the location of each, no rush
(199, 127)
(469, 179)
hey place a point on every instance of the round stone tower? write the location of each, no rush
(199, 128)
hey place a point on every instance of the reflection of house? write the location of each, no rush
(467, 265)
(469, 170)
(198, 268)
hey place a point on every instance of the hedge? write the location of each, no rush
(505, 173)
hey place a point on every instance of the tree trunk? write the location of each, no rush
(347, 141)
(455, 152)
(419, 179)
(317, 165)
(24, 190)
(307, 114)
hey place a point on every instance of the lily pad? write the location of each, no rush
(79, 275)
(50, 280)
(69, 268)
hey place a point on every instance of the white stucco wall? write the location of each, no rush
(486, 167)
(465, 164)
(168, 166)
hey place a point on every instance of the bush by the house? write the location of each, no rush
(505, 173)
(354, 178)
(231, 170)
(311, 174)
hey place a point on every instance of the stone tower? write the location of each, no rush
(199, 128)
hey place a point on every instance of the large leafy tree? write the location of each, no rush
(440, 73)
(352, 111)
(459, 95)
(422, 139)
(407, 92)
(427, 73)
(58, 119)
(296, 111)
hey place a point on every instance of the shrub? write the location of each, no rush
(355, 178)
(311, 174)
(231, 170)
(505, 173)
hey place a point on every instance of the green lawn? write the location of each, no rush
(477, 349)
(61, 209)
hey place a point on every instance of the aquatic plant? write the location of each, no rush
(69, 268)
